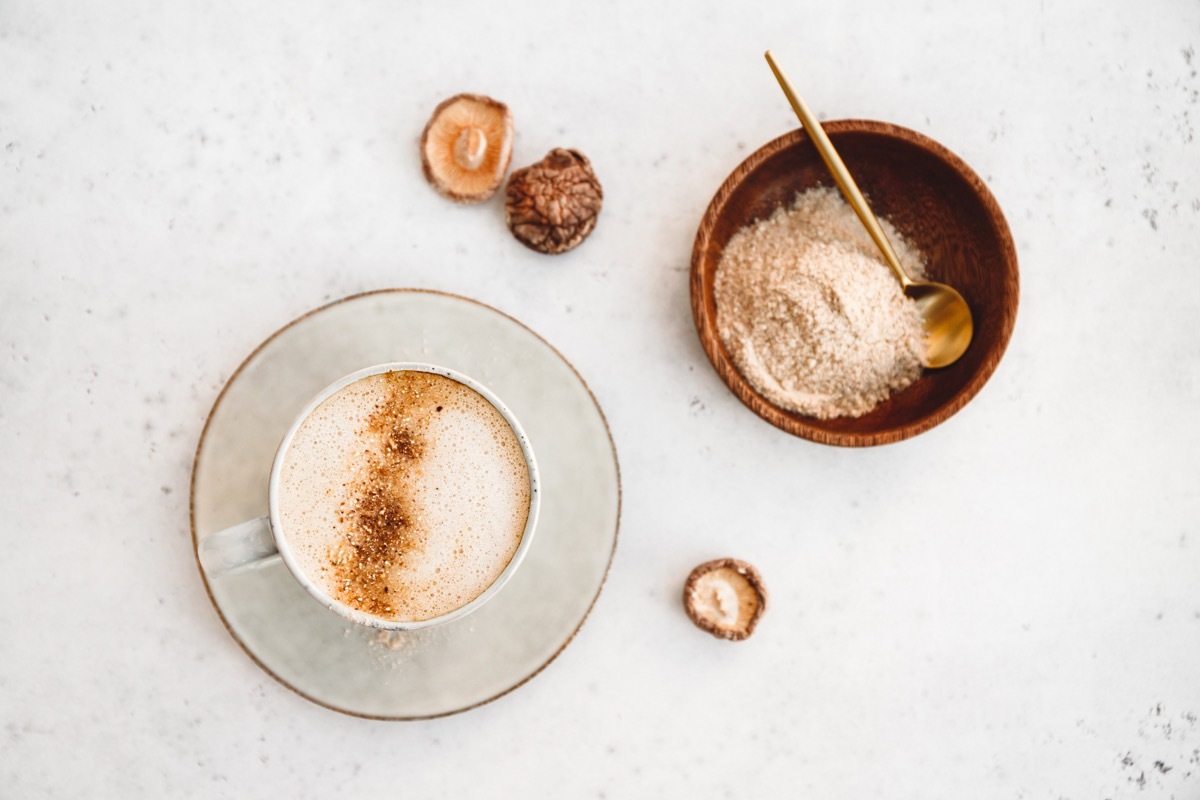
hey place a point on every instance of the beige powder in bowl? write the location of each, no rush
(812, 316)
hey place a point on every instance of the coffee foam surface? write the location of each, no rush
(404, 495)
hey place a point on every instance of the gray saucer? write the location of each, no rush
(465, 663)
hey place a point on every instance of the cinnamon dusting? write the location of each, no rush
(382, 530)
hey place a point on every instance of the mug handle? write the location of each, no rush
(247, 545)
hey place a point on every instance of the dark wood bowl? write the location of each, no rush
(937, 202)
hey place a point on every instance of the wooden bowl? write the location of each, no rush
(937, 202)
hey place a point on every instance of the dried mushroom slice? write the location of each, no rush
(725, 597)
(551, 206)
(467, 146)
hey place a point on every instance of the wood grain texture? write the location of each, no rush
(936, 202)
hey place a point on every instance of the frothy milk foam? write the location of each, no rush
(404, 495)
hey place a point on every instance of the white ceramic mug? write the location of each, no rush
(260, 541)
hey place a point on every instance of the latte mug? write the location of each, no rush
(404, 495)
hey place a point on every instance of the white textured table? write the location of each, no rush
(1006, 607)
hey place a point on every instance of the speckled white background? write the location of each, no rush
(1006, 607)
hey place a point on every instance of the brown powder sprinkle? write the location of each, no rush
(812, 316)
(381, 528)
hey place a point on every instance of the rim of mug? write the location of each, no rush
(349, 612)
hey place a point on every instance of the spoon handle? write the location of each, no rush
(841, 175)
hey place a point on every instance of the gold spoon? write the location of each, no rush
(947, 317)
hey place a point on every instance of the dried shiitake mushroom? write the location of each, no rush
(467, 146)
(551, 206)
(725, 597)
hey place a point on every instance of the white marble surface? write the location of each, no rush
(1005, 607)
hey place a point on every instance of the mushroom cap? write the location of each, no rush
(551, 206)
(466, 147)
(725, 597)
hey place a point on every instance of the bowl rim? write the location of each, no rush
(741, 388)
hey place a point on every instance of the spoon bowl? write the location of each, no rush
(948, 323)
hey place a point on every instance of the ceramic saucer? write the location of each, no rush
(462, 664)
